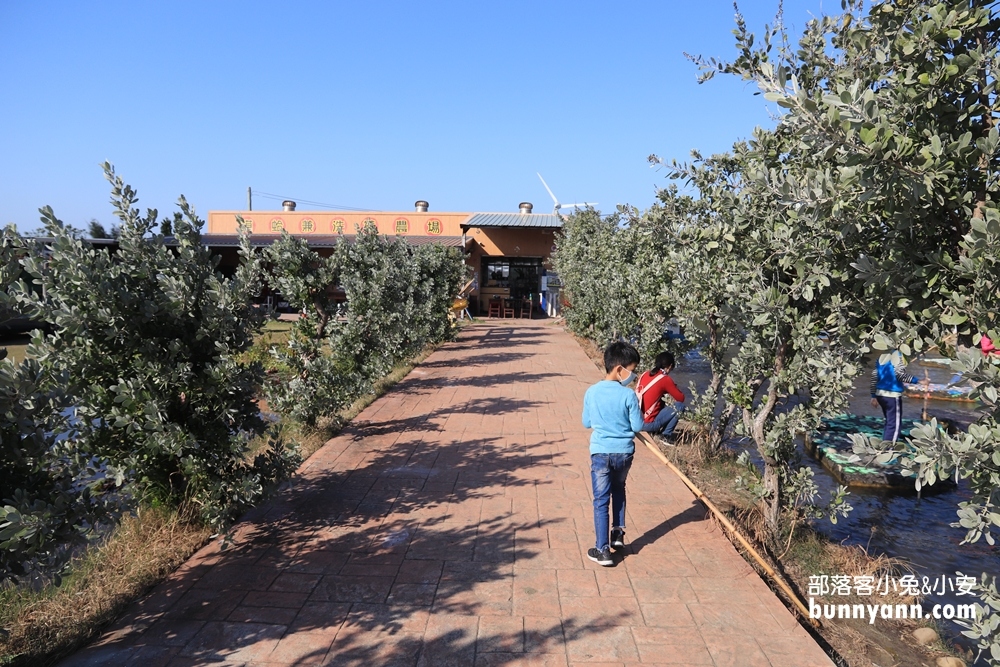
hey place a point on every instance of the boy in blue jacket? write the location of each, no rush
(612, 410)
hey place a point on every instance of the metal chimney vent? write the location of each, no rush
(524, 207)
(421, 206)
(288, 205)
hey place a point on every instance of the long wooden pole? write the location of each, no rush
(778, 579)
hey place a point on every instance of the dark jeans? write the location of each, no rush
(665, 421)
(892, 408)
(608, 473)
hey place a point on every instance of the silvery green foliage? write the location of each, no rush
(740, 264)
(147, 339)
(771, 275)
(307, 383)
(986, 624)
(613, 272)
(698, 254)
(901, 102)
(397, 300)
(52, 494)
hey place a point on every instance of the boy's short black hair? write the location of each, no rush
(619, 354)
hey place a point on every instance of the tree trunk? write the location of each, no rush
(720, 420)
(720, 424)
(772, 482)
(772, 467)
(988, 121)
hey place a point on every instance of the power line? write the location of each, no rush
(269, 195)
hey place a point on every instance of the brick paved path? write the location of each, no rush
(448, 526)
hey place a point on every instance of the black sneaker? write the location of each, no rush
(617, 539)
(602, 557)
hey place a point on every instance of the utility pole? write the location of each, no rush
(249, 199)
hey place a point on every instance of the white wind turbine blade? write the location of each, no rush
(583, 205)
(554, 200)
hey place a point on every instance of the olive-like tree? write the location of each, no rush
(147, 340)
(900, 100)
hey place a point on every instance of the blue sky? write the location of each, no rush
(362, 104)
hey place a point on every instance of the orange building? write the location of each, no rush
(508, 252)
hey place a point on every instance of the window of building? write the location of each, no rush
(521, 275)
(402, 226)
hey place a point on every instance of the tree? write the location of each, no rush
(147, 339)
(396, 299)
(901, 103)
(783, 270)
(96, 230)
(53, 493)
(699, 254)
(613, 277)
(167, 225)
(309, 383)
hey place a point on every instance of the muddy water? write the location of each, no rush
(915, 529)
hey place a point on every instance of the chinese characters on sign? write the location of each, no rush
(369, 223)
(307, 226)
(434, 226)
(337, 226)
(402, 226)
(908, 584)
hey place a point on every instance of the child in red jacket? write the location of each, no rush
(651, 388)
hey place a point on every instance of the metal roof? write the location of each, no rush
(536, 220)
(317, 240)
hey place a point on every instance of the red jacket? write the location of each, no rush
(649, 399)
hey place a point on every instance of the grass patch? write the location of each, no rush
(17, 346)
(43, 626)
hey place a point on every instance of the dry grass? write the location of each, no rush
(45, 625)
(16, 346)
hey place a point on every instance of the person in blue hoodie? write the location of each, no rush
(612, 410)
(888, 382)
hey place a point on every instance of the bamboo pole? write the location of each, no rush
(778, 579)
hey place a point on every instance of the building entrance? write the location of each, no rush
(521, 275)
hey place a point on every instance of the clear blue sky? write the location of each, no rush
(364, 104)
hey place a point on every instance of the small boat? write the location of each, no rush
(936, 362)
(832, 446)
(941, 391)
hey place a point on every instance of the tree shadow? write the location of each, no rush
(433, 420)
(487, 359)
(695, 513)
(388, 547)
(377, 533)
(427, 385)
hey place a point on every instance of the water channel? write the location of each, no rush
(905, 526)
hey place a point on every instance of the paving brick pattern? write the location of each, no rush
(448, 525)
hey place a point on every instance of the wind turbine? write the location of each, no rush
(557, 205)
